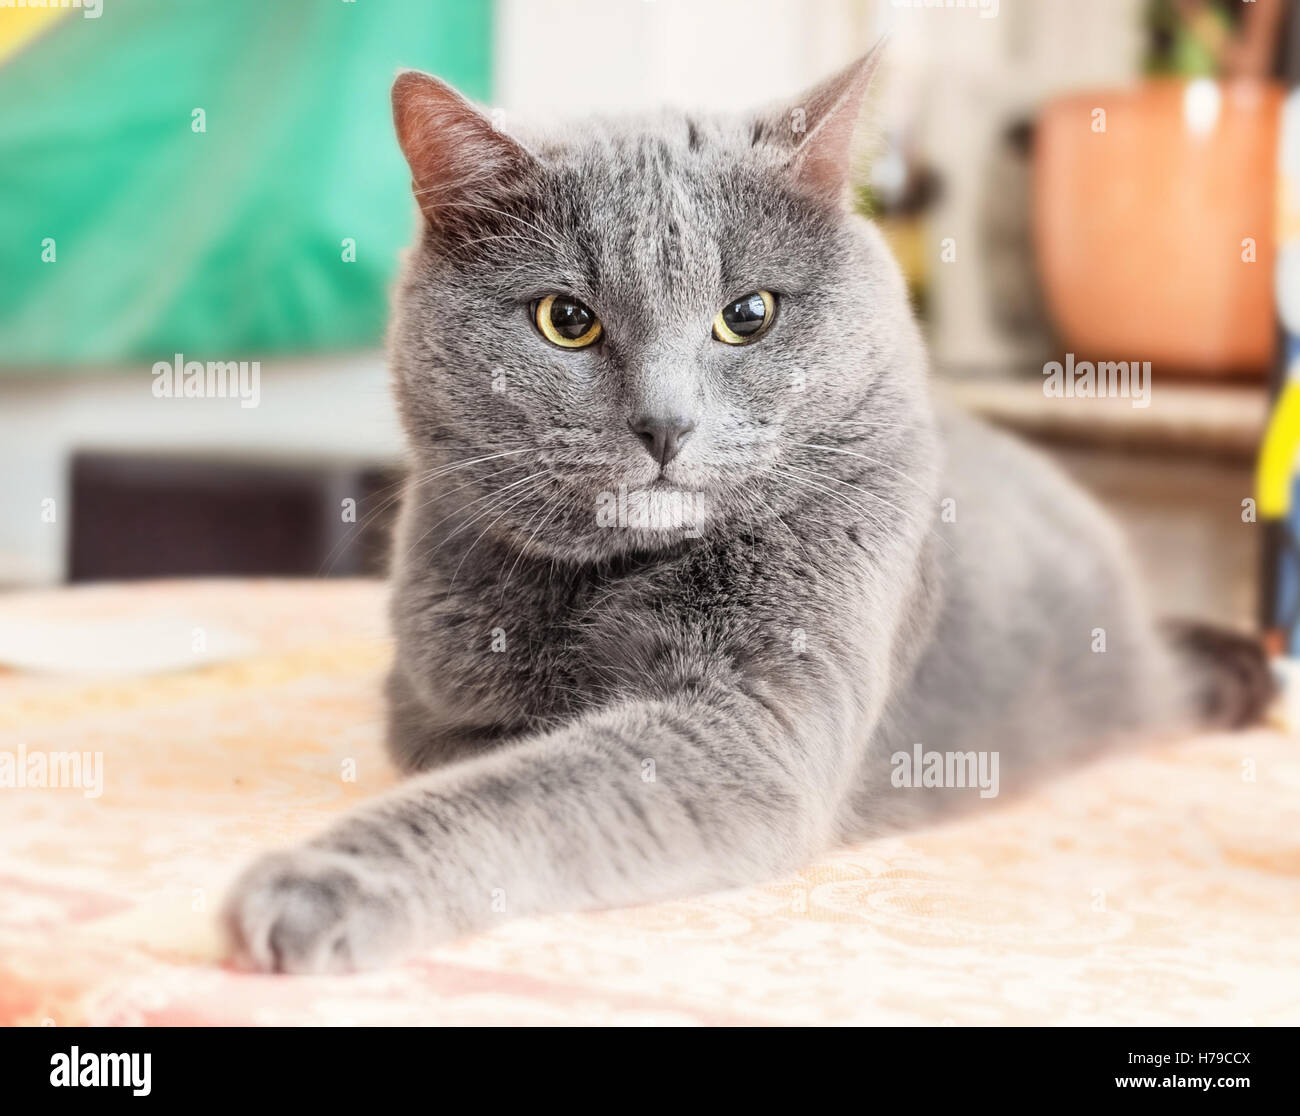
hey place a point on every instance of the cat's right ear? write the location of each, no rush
(455, 152)
(814, 134)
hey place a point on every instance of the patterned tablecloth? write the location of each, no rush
(1161, 887)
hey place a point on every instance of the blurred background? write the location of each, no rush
(188, 181)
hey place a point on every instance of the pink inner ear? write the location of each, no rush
(452, 148)
(822, 163)
(823, 160)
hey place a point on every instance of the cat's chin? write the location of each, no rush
(660, 509)
(625, 520)
(606, 545)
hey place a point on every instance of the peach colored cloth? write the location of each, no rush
(1156, 888)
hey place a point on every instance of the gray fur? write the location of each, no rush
(668, 711)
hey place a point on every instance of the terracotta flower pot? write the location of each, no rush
(1145, 230)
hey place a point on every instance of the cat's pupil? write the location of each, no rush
(570, 319)
(746, 316)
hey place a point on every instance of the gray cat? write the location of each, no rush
(692, 578)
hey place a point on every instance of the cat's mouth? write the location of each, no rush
(661, 483)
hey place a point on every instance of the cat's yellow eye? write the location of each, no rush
(566, 322)
(746, 319)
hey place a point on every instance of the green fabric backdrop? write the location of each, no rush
(223, 243)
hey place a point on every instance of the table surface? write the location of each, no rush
(1158, 887)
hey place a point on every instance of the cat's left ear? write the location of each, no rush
(817, 129)
(457, 155)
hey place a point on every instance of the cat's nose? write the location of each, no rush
(662, 437)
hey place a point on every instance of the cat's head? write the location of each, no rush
(622, 334)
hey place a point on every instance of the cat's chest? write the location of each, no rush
(582, 644)
(541, 643)
(550, 644)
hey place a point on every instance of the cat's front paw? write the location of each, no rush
(311, 910)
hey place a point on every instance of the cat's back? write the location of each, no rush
(1004, 499)
(1031, 559)
(1043, 646)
